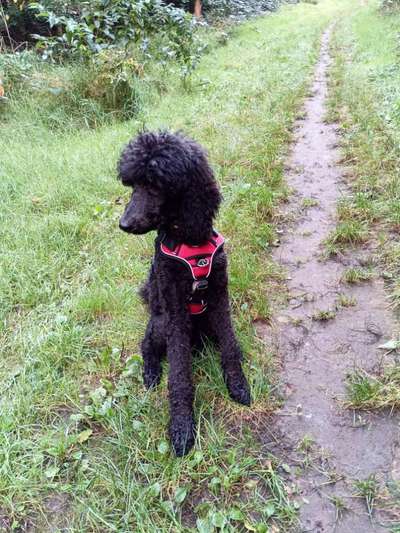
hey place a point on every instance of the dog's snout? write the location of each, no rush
(135, 225)
(143, 212)
(123, 224)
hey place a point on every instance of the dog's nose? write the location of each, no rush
(123, 225)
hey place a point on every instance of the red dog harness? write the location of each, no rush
(199, 260)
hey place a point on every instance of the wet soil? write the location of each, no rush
(326, 446)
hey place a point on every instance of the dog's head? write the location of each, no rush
(173, 187)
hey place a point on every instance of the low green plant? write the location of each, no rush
(305, 444)
(346, 301)
(323, 315)
(309, 202)
(349, 232)
(108, 57)
(115, 80)
(340, 504)
(366, 391)
(362, 390)
(354, 275)
(369, 490)
(16, 70)
(359, 206)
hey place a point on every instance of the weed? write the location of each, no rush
(297, 321)
(346, 301)
(323, 315)
(350, 232)
(306, 444)
(309, 202)
(361, 389)
(368, 489)
(358, 206)
(340, 506)
(355, 275)
(366, 391)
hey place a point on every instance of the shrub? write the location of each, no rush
(162, 32)
(217, 9)
(114, 81)
(18, 22)
(238, 9)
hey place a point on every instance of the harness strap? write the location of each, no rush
(199, 260)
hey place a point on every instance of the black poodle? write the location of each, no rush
(175, 193)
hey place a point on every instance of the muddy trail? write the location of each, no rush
(326, 446)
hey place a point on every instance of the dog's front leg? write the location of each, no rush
(231, 356)
(180, 386)
(221, 326)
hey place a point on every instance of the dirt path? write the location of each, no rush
(338, 445)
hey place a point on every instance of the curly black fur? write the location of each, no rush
(175, 193)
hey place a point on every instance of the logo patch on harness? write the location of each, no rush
(202, 262)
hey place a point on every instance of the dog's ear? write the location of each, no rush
(200, 204)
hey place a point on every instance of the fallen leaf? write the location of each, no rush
(52, 471)
(180, 494)
(163, 447)
(84, 435)
(390, 345)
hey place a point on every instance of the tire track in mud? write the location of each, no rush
(337, 446)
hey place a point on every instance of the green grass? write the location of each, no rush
(353, 215)
(345, 300)
(366, 391)
(82, 446)
(355, 275)
(306, 203)
(368, 489)
(348, 232)
(323, 315)
(365, 96)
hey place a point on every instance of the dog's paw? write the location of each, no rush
(182, 432)
(151, 377)
(239, 390)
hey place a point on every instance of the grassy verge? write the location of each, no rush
(374, 392)
(82, 446)
(365, 96)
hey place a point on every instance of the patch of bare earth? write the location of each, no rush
(57, 515)
(325, 446)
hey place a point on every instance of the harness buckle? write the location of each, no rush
(200, 285)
